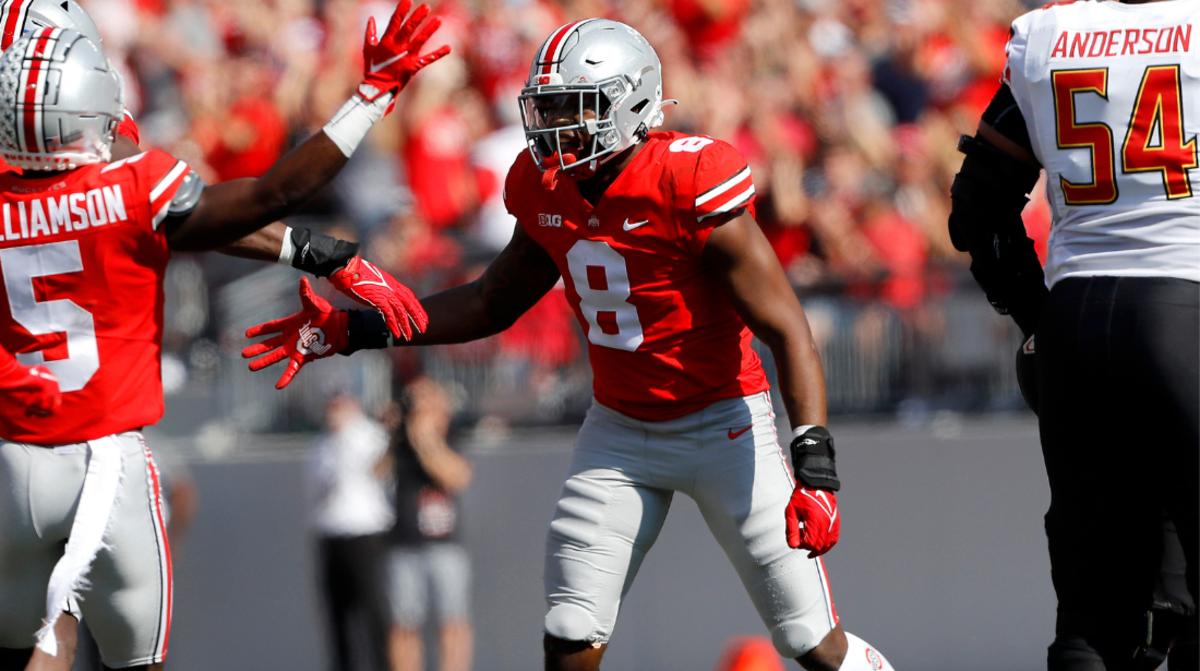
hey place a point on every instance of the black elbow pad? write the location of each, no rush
(988, 194)
(987, 198)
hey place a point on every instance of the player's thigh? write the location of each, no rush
(1105, 511)
(128, 606)
(408, 588)
(38, 491)
(449, 570)
(606, 519)
(1161, 323)
(742, 490)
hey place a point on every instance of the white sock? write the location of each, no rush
(862, 656)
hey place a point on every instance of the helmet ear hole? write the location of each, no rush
(641, 105)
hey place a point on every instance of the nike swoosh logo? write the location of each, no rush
(376, 67)
(637, 224)
(733, 435)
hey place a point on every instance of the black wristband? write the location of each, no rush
(813, 459)
(320, 254)
(365, 329)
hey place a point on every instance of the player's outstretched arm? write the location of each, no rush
(739, 253)
(512, 284)
(35, 388)
(226, 212)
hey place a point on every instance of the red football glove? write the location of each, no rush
(390, 62)
(315, 332)
(366, 283)
(812, 520)
(36, 388)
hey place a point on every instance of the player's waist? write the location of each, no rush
(1068, 258)
(128, 440)
(712, 413)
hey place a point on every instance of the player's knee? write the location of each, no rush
(793, 639)
(568, 622)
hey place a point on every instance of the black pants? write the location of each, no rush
(1118, 364)
(354, 577)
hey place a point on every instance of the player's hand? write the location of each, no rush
(813, 522)
(390, 61)
(38, 390)
(366, 283)
(315, 332)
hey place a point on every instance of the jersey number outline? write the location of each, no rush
(601, 279)
(21, 266)
(1157, 107)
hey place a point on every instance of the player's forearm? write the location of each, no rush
(264, 244)
(456, 315)
(801, 376)
(300, 248)
(296, 178)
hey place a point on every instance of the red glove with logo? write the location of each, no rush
(315, 332)
(36, 388)
(813, 522)
(366, 283)
(812, 516)
(391, 61)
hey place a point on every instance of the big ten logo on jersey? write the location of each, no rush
(690, 144)
(550, 220)
(63, 213)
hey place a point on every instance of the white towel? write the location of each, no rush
(100, 486)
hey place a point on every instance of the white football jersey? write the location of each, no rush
(1111, 97)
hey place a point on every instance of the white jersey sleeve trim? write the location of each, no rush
(723, 187)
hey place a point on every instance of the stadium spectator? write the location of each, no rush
(430, 570)
(351, 518)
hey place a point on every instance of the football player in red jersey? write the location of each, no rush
(670, 278)
(301, 248)
(83, 246)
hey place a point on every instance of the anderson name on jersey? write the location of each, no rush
(82, 261)
(663, 339)
(1112, 105)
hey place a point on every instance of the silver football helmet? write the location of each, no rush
(594, 90)
(60, 101)
(18, 17)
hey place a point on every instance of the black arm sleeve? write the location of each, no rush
(320, 254)
(987, 198)
(1005, 116)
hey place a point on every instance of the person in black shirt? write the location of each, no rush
(430, 570)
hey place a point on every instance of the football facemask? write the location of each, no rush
(570, 126)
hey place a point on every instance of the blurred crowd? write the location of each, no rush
(848, 111)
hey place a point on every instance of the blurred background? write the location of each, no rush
(848, 111)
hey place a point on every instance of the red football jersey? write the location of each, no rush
(664, 338)
(81, 269)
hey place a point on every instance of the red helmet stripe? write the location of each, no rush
(14, 19)
(553, 45)
(32, 93)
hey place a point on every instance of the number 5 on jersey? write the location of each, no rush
(21, 266)
(601, 279)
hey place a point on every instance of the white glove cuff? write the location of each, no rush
(350, 125)
(287, 251)
(800, 430)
